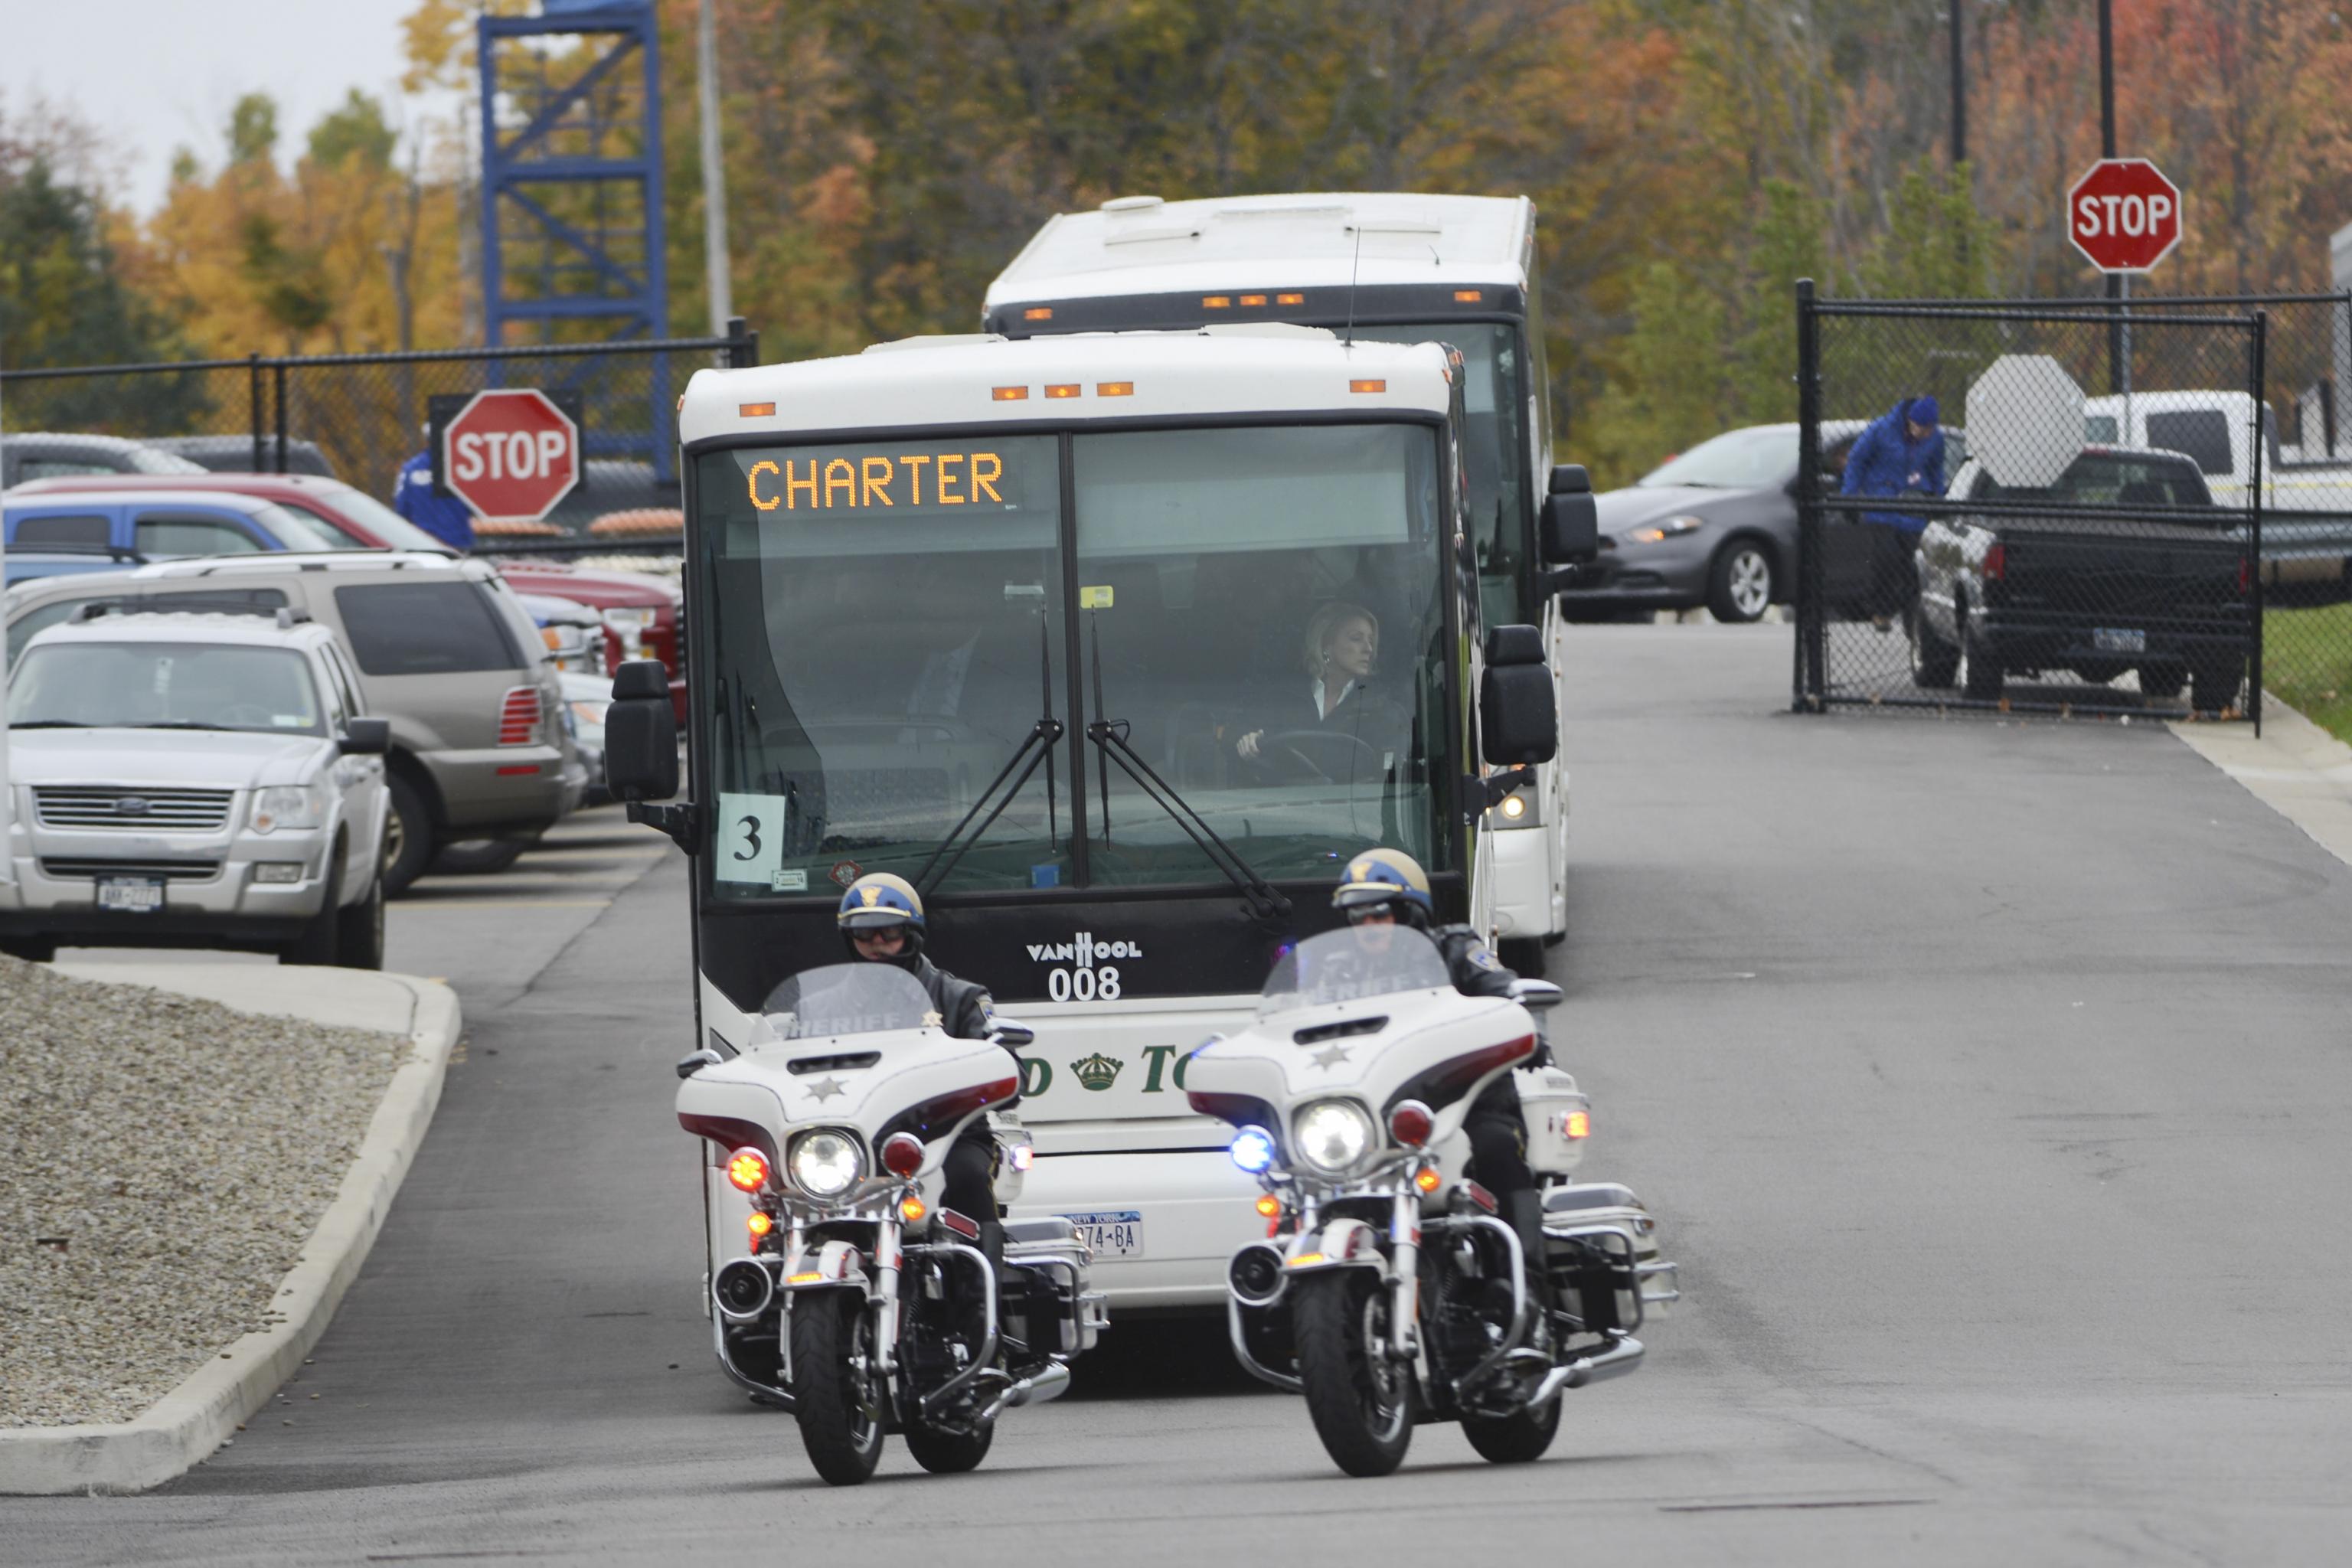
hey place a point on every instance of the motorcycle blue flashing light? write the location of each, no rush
(1253, 1149)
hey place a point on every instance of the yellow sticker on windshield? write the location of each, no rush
(1094, 598)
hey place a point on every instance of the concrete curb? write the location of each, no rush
(193, 1420)
(2296, 768)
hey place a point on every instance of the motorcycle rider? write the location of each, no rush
(1387, 885)
(881, 922)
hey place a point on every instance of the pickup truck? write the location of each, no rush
(2132, 566)
(2306, 505)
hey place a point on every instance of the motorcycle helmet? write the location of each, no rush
(879, 901)
(1385, 878)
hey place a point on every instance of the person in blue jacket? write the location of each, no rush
(1901, 451)
(446, 518)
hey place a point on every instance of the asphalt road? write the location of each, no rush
(1990, 1078)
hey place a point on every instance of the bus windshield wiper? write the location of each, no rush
(1035, 747)
(1265, 900)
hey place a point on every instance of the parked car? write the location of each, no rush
(443, 652)
(233, 454)
(2004, 594)
(574, 633)
(159, 523)
(60, 560)
(194, 780)
(1715, 526)
(45, 454)
(587, 699)
(641, 612)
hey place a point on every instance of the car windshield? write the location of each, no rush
(1752, 460)
(164, 686)
(388, 526)
(1258, 637)
(155, 461)
(301, 531)
(1351, 963)
(848, 999)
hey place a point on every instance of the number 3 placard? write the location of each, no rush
(750, 838)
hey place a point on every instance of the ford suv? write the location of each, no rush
(443, 652)
(194, 780)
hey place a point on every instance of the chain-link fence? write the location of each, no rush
(2071, 506)
(360, 417)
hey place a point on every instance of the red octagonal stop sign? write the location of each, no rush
(510, 454)
(2124, 215)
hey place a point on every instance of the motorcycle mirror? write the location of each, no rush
(1007, 1033)
(694, 1062)
(1535, 994)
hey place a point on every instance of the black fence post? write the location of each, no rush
(253, 380)
(2254, 506)
(1805, 679)
(278, 392)
(743, 345)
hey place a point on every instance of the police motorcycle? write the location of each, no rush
(1389, 1290)
(861, 1303)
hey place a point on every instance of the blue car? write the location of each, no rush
(93, 531)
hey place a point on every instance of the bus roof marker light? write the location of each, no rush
(1468, 296)
(1038, 313)
(1290, 298)
(1114, 389)
(1008, 394)
(1368, 386)
(1253, 298)
(1062, 389)
(756, 410)
(1216, 301)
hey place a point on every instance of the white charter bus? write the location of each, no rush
(1379, 267)
(997, 616)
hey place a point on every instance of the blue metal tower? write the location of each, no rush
(571, 200)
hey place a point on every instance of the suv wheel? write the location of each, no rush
(359, 930)
(408, 841)
(478, 855)
(322, 935)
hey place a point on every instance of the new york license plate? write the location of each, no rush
(1115, 1234)
(2116, 639)
(131, 895)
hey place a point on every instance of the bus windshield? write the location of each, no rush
(1494, 445)
(1257, 639)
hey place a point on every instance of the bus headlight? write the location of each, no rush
(825, 1163)
(1333, 1134)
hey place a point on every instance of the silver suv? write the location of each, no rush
(194, 780)
(444, 650)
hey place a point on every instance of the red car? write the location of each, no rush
(640, 612)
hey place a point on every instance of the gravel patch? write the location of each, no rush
(163, 1160)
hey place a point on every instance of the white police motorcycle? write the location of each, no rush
(859, 1304)
(1389, 1291)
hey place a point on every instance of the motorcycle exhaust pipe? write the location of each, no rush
(743, 1290)
(1255, 1276)
(1049, 1381)
(1615, 1362)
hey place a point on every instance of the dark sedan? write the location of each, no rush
(1716, 526)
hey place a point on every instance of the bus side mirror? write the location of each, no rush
(1570, 531)
(1518, 720)
(641, 734)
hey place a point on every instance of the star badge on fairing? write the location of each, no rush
(825, 1088)
(1330, 1055)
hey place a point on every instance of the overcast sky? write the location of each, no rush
(153, 74)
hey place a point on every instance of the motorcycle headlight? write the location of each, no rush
(1333, 1134)
(825, 1163)
(289, 806)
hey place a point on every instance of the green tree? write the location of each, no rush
(356, 129)
(253, 129)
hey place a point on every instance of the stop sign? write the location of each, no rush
(510, 454)
(2124, 215)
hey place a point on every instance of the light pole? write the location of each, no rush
(714, 182)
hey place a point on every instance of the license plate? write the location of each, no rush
(1113, 1234)
(2112, 639)
(131, 895)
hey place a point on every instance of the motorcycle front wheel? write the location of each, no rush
(1359, 1399)
(835, 1394)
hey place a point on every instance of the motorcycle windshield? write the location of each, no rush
(848, 999)
(1350, 964)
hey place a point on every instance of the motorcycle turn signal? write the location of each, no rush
(748, 1169)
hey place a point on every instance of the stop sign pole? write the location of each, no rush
(2123, 216)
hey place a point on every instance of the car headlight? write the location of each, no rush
(629, 622)
(825, 1164)
(1669, 529)
(289, 807)
(589, 711)
(1333, 1134)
